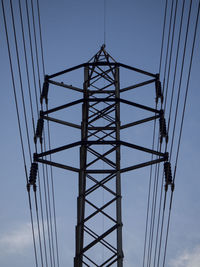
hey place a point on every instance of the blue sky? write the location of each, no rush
(73, 32)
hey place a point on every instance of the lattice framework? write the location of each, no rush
(100, 145)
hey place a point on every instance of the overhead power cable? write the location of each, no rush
(35, 196)
(31, 105)
(183, 58)
(157, 169)
(49, 144)
(149, 195)
(163, 36)
(167, 49)
(153, 208)
(151, 169)
(170, 111)
(50, 230)
(181, 77)
(165, 100)
(37, 106)
(41, 40)
(20, 132)
(32, 57)
(36, 149)
(38, 224)
(181, 128)
(168, 127)
(47, 214)
(53, 199)
(46, 173)
(164, 204)
(36, 46)
(170, 55)
(176, 64)
(45, 144)
(25, 114)
(21, 83)
(26, 63)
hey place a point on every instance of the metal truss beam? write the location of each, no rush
(100, 144)
(99, 63)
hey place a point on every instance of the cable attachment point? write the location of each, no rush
(163, 128)
(45, 90)
(168, 175)
(39, 130)
(158, 90)
(33, 176)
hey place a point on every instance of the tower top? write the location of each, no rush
(102, 55)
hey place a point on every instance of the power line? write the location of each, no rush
(170, 56)
(168, 41)
(49, 221)
(26, 63)
(41, 42)
(31, 105)
(25, 117)
(181, 128)
(168, 127)
(32, 57)
(20, 132)
(165, 101)
(38, 71)
(38, 223)
(149, 196)
(49, 207)
(47, 213)
(47, 176)
(164, 205)
(157, 170)
(53, 197)
(25, 113)
(153, 210)
(49, 142)
(37, 106)
(21, 83)
(180, 80)
(42, 217)
(150, 180)
(176, 64)
(163, 36)
(35, 42)
(156, 181)
(170, 111)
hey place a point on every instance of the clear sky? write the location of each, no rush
(73, 31)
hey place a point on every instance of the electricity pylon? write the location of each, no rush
(100, 152)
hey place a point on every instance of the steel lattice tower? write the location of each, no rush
(100, 147)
